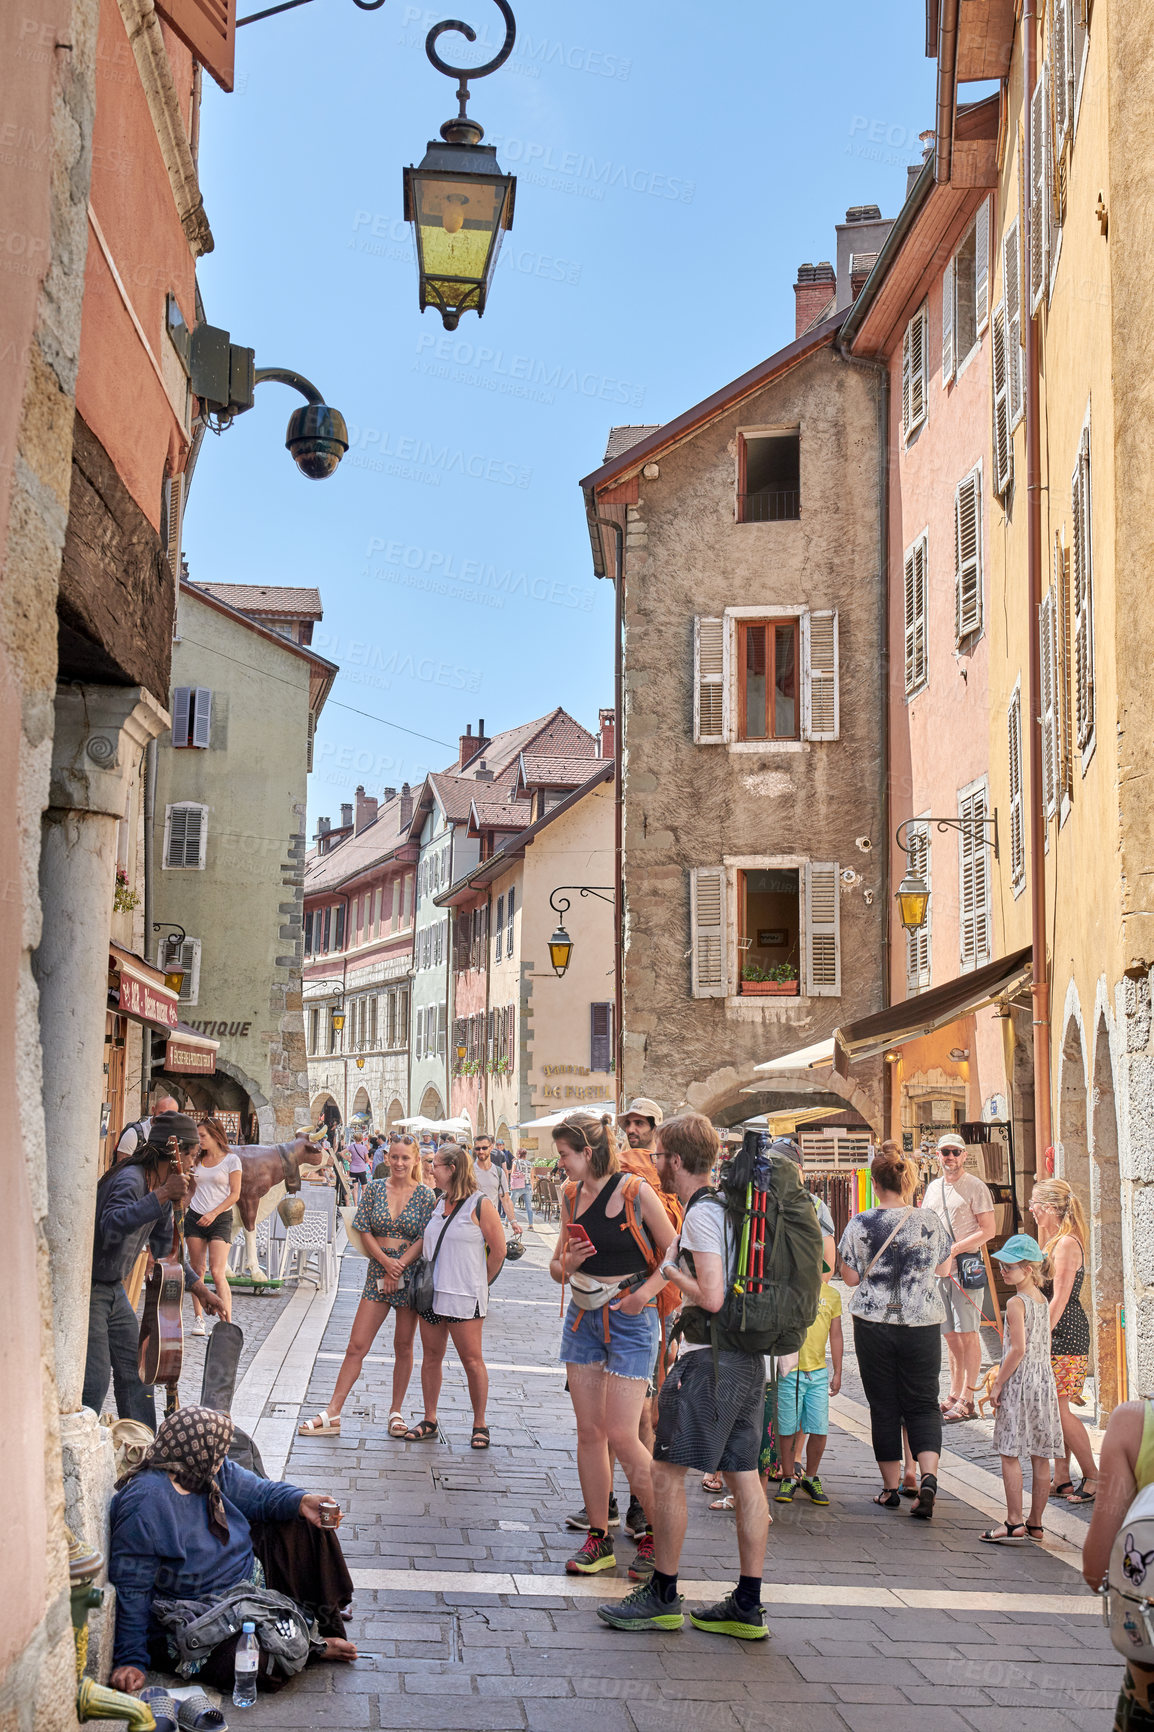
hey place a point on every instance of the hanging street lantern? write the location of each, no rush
(913, 900)
(458, 200)
(172, 957)
(338, 1020)
(560, 951)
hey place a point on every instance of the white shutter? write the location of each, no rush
(919, 944)
(1083, 585)
(1039, 189)
(710, 671)
(819, 674)
(1046, 645)
(948, 364)
(1012, 273)
(708, 930)
(201, 729)
(181, 704)
(974, 880)
(982, 267)
(822, 930)
(1062, 659)
(1017, 805)
(1061, 63)
(915, 615)
(185, 835)
(173, 501)
(968, 555)
(914, 372)
(1003, 443)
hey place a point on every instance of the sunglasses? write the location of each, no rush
(409, 1140)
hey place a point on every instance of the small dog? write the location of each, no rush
(983, 1391)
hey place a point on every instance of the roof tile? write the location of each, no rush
(279, 601)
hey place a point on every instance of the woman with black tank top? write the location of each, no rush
(614, 1230)
(1062, 1234)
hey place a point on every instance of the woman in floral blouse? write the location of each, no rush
(391, 1219)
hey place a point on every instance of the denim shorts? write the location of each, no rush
(631, 1346)
(803, 1402)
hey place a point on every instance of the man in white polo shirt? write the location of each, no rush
(963, 1202)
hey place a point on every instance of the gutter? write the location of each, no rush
(947, 93)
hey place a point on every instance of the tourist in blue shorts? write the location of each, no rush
(803, 1400)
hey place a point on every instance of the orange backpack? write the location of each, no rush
(669, 1299)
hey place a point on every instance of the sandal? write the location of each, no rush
(1035, 1533)
(923, 1509)
(1006, 1534)
(712, 1482)
(1081, 1495)
(197, 1714)
(164, 1708)
(321, 1426)
(888, 1499)
(1061, 1490)
(907, 1490)
(422, 1432)
(397, 1426)
(948, 1405)
(963, 1408)
(479, 1432)
(723, 1503)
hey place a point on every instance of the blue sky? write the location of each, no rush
(675, 165)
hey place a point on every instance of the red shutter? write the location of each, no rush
(207, 28)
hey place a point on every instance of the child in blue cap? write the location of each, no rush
(1028, 1420)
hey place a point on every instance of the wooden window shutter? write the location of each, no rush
(948, 309)
(207, 28)
(308, 931)
(340, 938)
(1039, 190)
(708, 930)
(914, 372)
(822, 930)
(1083, 586)
(819, 672)
(710, 668)
(982, 267)
(1062, 662)
(1061, 63)
(974, 881)
(601, 1037)
(173, 502)
(201, 729)
(1017, 805)
(1003, 442)
(1012, 277)
(185, 836)
(181, 708)
(509, 927)
(1049, 683)
(919, 944)
(968, 556)
(917, 666)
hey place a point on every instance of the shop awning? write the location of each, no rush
(138, 991)
(190, 1053)
(815, 1057)
(933, 1009)
(552, 1119)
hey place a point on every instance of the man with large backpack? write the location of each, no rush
(748, 1264)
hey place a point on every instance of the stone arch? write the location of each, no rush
(1106, 1255)
(480, 1130)
(318, 1103)
(362, 1103)
(717, 1094)
(1071, 1136)
(432, 1106)
(396, 1111)
(502, 1133)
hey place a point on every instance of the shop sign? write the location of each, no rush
(141, 1000)
(189, 1056)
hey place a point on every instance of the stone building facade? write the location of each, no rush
(754, 784)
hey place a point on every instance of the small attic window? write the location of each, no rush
(769, 482)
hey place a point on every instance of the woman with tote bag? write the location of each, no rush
(892, 1255)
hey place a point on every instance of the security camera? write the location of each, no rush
(318, 439)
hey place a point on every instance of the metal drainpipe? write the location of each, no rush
(618, 810)
(1040, 981)
(149, 831)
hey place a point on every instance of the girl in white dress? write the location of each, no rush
(1028, 1420)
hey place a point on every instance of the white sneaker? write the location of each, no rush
(198, 1327)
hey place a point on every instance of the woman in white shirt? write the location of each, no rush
(208, 1218)
(468, 1260)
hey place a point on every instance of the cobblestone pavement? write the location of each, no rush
(466, 1621)
(255, 1312)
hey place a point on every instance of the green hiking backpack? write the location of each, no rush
(773, 1296)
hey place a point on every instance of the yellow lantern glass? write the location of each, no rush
(560, 951)
(913, 900)
(459, 204)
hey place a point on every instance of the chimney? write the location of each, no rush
(406, 805)
(606, 720)
(390, 794)
(346, 814)
(472, 743)
(813, 291)
(366, 811)
(483, 772)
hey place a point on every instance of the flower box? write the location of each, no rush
(769, 989)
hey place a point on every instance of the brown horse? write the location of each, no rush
(262, 1168)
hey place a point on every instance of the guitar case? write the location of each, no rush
(218, 1384)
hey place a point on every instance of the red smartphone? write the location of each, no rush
(578, 1235)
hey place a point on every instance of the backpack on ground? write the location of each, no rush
(773, 1296)
(1129, 1585)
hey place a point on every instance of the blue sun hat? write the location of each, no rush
(1020, 1248)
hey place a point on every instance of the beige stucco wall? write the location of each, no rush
(245, 906)
(688, 805)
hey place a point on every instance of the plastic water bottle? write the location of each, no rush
(247, 1661)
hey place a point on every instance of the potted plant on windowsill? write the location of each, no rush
(779, 980)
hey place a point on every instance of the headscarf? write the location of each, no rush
(191, 1445)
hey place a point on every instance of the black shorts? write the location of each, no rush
(712, 1424)
(221, 1228)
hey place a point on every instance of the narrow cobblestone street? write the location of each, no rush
(465, 1620)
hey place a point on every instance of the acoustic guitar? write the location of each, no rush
(161, 1348)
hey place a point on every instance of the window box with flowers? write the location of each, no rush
(778, 981)
(499, 1067)
(124, 899)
